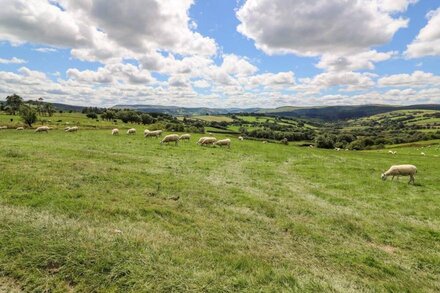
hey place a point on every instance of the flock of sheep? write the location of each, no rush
(203, 141)
(393, 171)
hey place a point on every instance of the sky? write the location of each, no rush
(221, 53)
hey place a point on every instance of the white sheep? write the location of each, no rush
(72, 129)
(185, 136)
(170, 138)
(66, 129)
(131, 131)
(223, 142)
(115, 131)
(337, 149)
(201, 139)
(3, 127)
(240, 138)
(209, 140)
(423, 154)
(392, 152)
(155, 133)
(264, 141)
(20, 128)
(42, 129)
(400, 170)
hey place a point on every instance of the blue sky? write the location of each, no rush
(247, 53)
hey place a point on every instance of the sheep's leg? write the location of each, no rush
(411, 179)
(392, 178)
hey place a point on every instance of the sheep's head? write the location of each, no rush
(383, 176)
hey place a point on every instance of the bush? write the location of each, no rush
(28, 114)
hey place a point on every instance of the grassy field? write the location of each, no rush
(213, 118)
(61, 120)
(91, 212)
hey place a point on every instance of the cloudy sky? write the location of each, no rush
(221, 53)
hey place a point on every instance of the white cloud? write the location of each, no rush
(427, 42)
(347, 81)
(105, 29)
(13, 60)
(45, 50)
(364, 60)
(416, 79)
(305, 27)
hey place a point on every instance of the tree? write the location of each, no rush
(13, 103)
(92, 115)
(147, 119)
(49, 109)
(28, 114)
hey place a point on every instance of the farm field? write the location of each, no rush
(88, 211)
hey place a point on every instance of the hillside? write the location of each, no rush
(89, 211)
(333, 113)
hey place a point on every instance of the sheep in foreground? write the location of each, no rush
(185, 137)
(223, 142)
(20, 128)
(170, 138)
(201, 139)
(42, 129)
(240, 138)
(115, 131)
(155, 133)
(400, 170)
(209, 140)
(72, 129)
(131, 131)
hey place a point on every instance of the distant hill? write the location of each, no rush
(345, 112)
(326, 113)
(65, 107)
(180, 111)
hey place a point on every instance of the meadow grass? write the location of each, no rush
(91, 212)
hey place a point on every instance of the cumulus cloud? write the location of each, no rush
(427, 42)
(346, 81)
(417, 78)
(364, 60)
(318, 27)
(104, 29)
(13, 60)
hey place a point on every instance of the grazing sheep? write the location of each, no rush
(423, 154)
(264, 141)
(66, 129)
(311, 146)
(209, 140)
(392, 152)
(223, 142)
(240, 138)
(337, 149)
(131, 131)
(42, 129)
(284, 141)
(400, 170)
(170, 138)
(155, 133)
(72, 129)
(201, 139)
(3, 127)
(20, 128)
(115, 131)
(185, 137)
